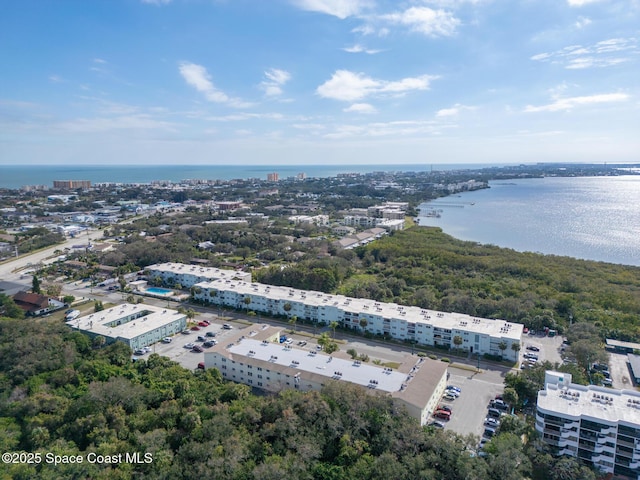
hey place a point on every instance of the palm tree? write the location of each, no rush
(457, 341)
(516, 348)
(333, 326)
(292, 322)
(502, 346)
(247, 301)
(363, 324)
(287, 307)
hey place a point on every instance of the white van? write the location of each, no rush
(72, 314)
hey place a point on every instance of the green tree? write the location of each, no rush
(333, 325)
(247, 301)
(502, 346)
(35, 285)
(98, 306)
(363, 324)
(515, 346)
(292, 322)
(457, 341)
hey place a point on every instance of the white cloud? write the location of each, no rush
(247, 116)
(349, 86)
(582, 22)
(580, 3)
(403, 128)
(157, 2)
(602, 54)
(99, 60)
(56, 78)
(425, 20)
(357, 48)
(338, 8)
(453, 111)
(360, 108)
(564, 104)
(198, 77)
(275, 79)
(124, 122)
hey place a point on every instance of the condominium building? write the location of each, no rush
(600, 426)
(189, 275)
(136, 325)
(259, 360)
(71, 184)
(411, 324)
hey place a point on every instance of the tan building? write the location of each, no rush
(259, 360)
(71, 184)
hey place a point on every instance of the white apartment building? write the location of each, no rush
(600, 426)
(189, 275)
(412, 324)
(258, 359)
(137, 325)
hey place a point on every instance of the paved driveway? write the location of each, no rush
(619, 369)
(470, 409)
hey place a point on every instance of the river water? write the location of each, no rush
(593, 218)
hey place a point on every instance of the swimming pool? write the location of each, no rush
(163, 292)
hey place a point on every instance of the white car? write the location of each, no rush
(491, 422)
(189, 345)
(166, 340)
(448, 396)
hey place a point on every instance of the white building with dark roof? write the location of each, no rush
(600, 426)
(258, 359)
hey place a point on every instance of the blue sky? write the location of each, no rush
(319, 81)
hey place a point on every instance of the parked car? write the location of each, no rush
(489, 432)
(197, 349)
(201, 338)
(453, 393)
(226, 326)
(210, 334)
(167, 340)
(201, 365)
(442, 415)
(533, 348)
(195, 328)
(446, 408)
(494, 413)
(436, 424)
(302, 343)
(203, 324)
(139, 351)
(491, 422)
(209, 343)
(185, 332)
(189, 345)
(453, 387)
(448, 396)
(607, 382)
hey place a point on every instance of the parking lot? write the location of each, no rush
(549, 348)
(470, 408)
(176, 350)
(619, 369)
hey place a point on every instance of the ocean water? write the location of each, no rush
(592, 218)
(15, 176)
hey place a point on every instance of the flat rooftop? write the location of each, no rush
(597, 402)
(321, 364)
(496, 328)
(211, 273)
(135, 320)
(414, 381)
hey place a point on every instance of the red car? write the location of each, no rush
(203, 324)
(195, 328)
(443, 414)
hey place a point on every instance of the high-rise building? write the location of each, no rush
(71, 184)
(273, 177)
(600, 426)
